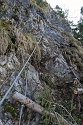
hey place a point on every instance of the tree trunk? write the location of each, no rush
(78, 91)
(37, 108)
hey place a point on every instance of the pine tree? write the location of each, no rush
(78, 30)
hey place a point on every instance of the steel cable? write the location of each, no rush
(6, 94)
(22, 106)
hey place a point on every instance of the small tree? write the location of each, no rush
(78, 30)
(63, 14)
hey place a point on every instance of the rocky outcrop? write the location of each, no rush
(22, 23)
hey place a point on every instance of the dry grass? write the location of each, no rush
(43, 7)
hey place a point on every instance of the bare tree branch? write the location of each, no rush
(37, 108)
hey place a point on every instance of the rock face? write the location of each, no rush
(3, 71)
(22, 23)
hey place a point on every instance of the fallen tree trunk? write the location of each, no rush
(78, 91)
(37, 108)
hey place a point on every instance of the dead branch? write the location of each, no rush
(80, 90)
(37, 108)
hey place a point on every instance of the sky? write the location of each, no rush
(72, 5)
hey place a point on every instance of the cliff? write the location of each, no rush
(56, 67)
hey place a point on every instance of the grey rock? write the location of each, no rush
(34, 83)
(3, 60)
(56, 20)
(3, 71)
(1, 110)
(8, 115)
(59, 66)
(10, 65)
(19, 85)
(1, 122)
(15, 60)
(9, 122)
(12, 61)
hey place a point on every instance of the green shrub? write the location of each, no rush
(45, 98)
